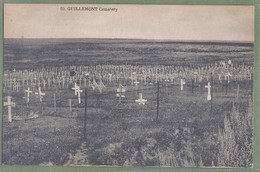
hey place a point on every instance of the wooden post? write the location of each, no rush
(237, 91)
(225, 85)
(158, 92)
(211, 101)
(70, 109)
(85, 114)
(182, 83)
(54, 102)
(252, 86)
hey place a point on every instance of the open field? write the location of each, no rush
(187, 131)
(24, 54)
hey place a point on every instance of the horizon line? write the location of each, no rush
(147, 39)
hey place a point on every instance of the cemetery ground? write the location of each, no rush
(186, 132)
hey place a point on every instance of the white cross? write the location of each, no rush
(40, 93)
(78, 91)
(228, 76)
(120, 91)
(209, 92)
(75, 88)
(182, 83)
(141, 101)
(44, 83)
(167, 80)
(136, 83)
(9, 105)
(28, 94)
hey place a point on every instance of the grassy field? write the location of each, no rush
(117, 133)
(187, 132)
(33, 53)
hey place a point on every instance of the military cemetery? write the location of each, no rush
(127, 103)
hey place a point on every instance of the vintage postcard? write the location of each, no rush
(128, 85)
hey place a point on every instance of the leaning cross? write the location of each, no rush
(9, 105)
(209, 91)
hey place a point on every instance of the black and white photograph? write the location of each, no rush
(128, 85)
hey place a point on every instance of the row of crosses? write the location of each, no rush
(39, 93)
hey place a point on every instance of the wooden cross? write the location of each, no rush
(78, 91)
(120, 92)
(182, 83)
(75, 88)
(9, 105)
(28, 94)
(192, 85)
(44, 83)
(40, 94)
(141, 101)
(209, 91)
(136, 83)
(228, 77)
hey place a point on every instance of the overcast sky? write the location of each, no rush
(234, 23)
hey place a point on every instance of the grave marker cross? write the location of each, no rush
(136, 83)
(141, 101)
(28, 94)
(9, 105)
(40, 94)
(182, 83)
(120, 92)
(209, 91)
(192, 85)
(75, 88)
(78, 91)
(228, 77)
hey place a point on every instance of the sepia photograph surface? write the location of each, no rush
(128, 85)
